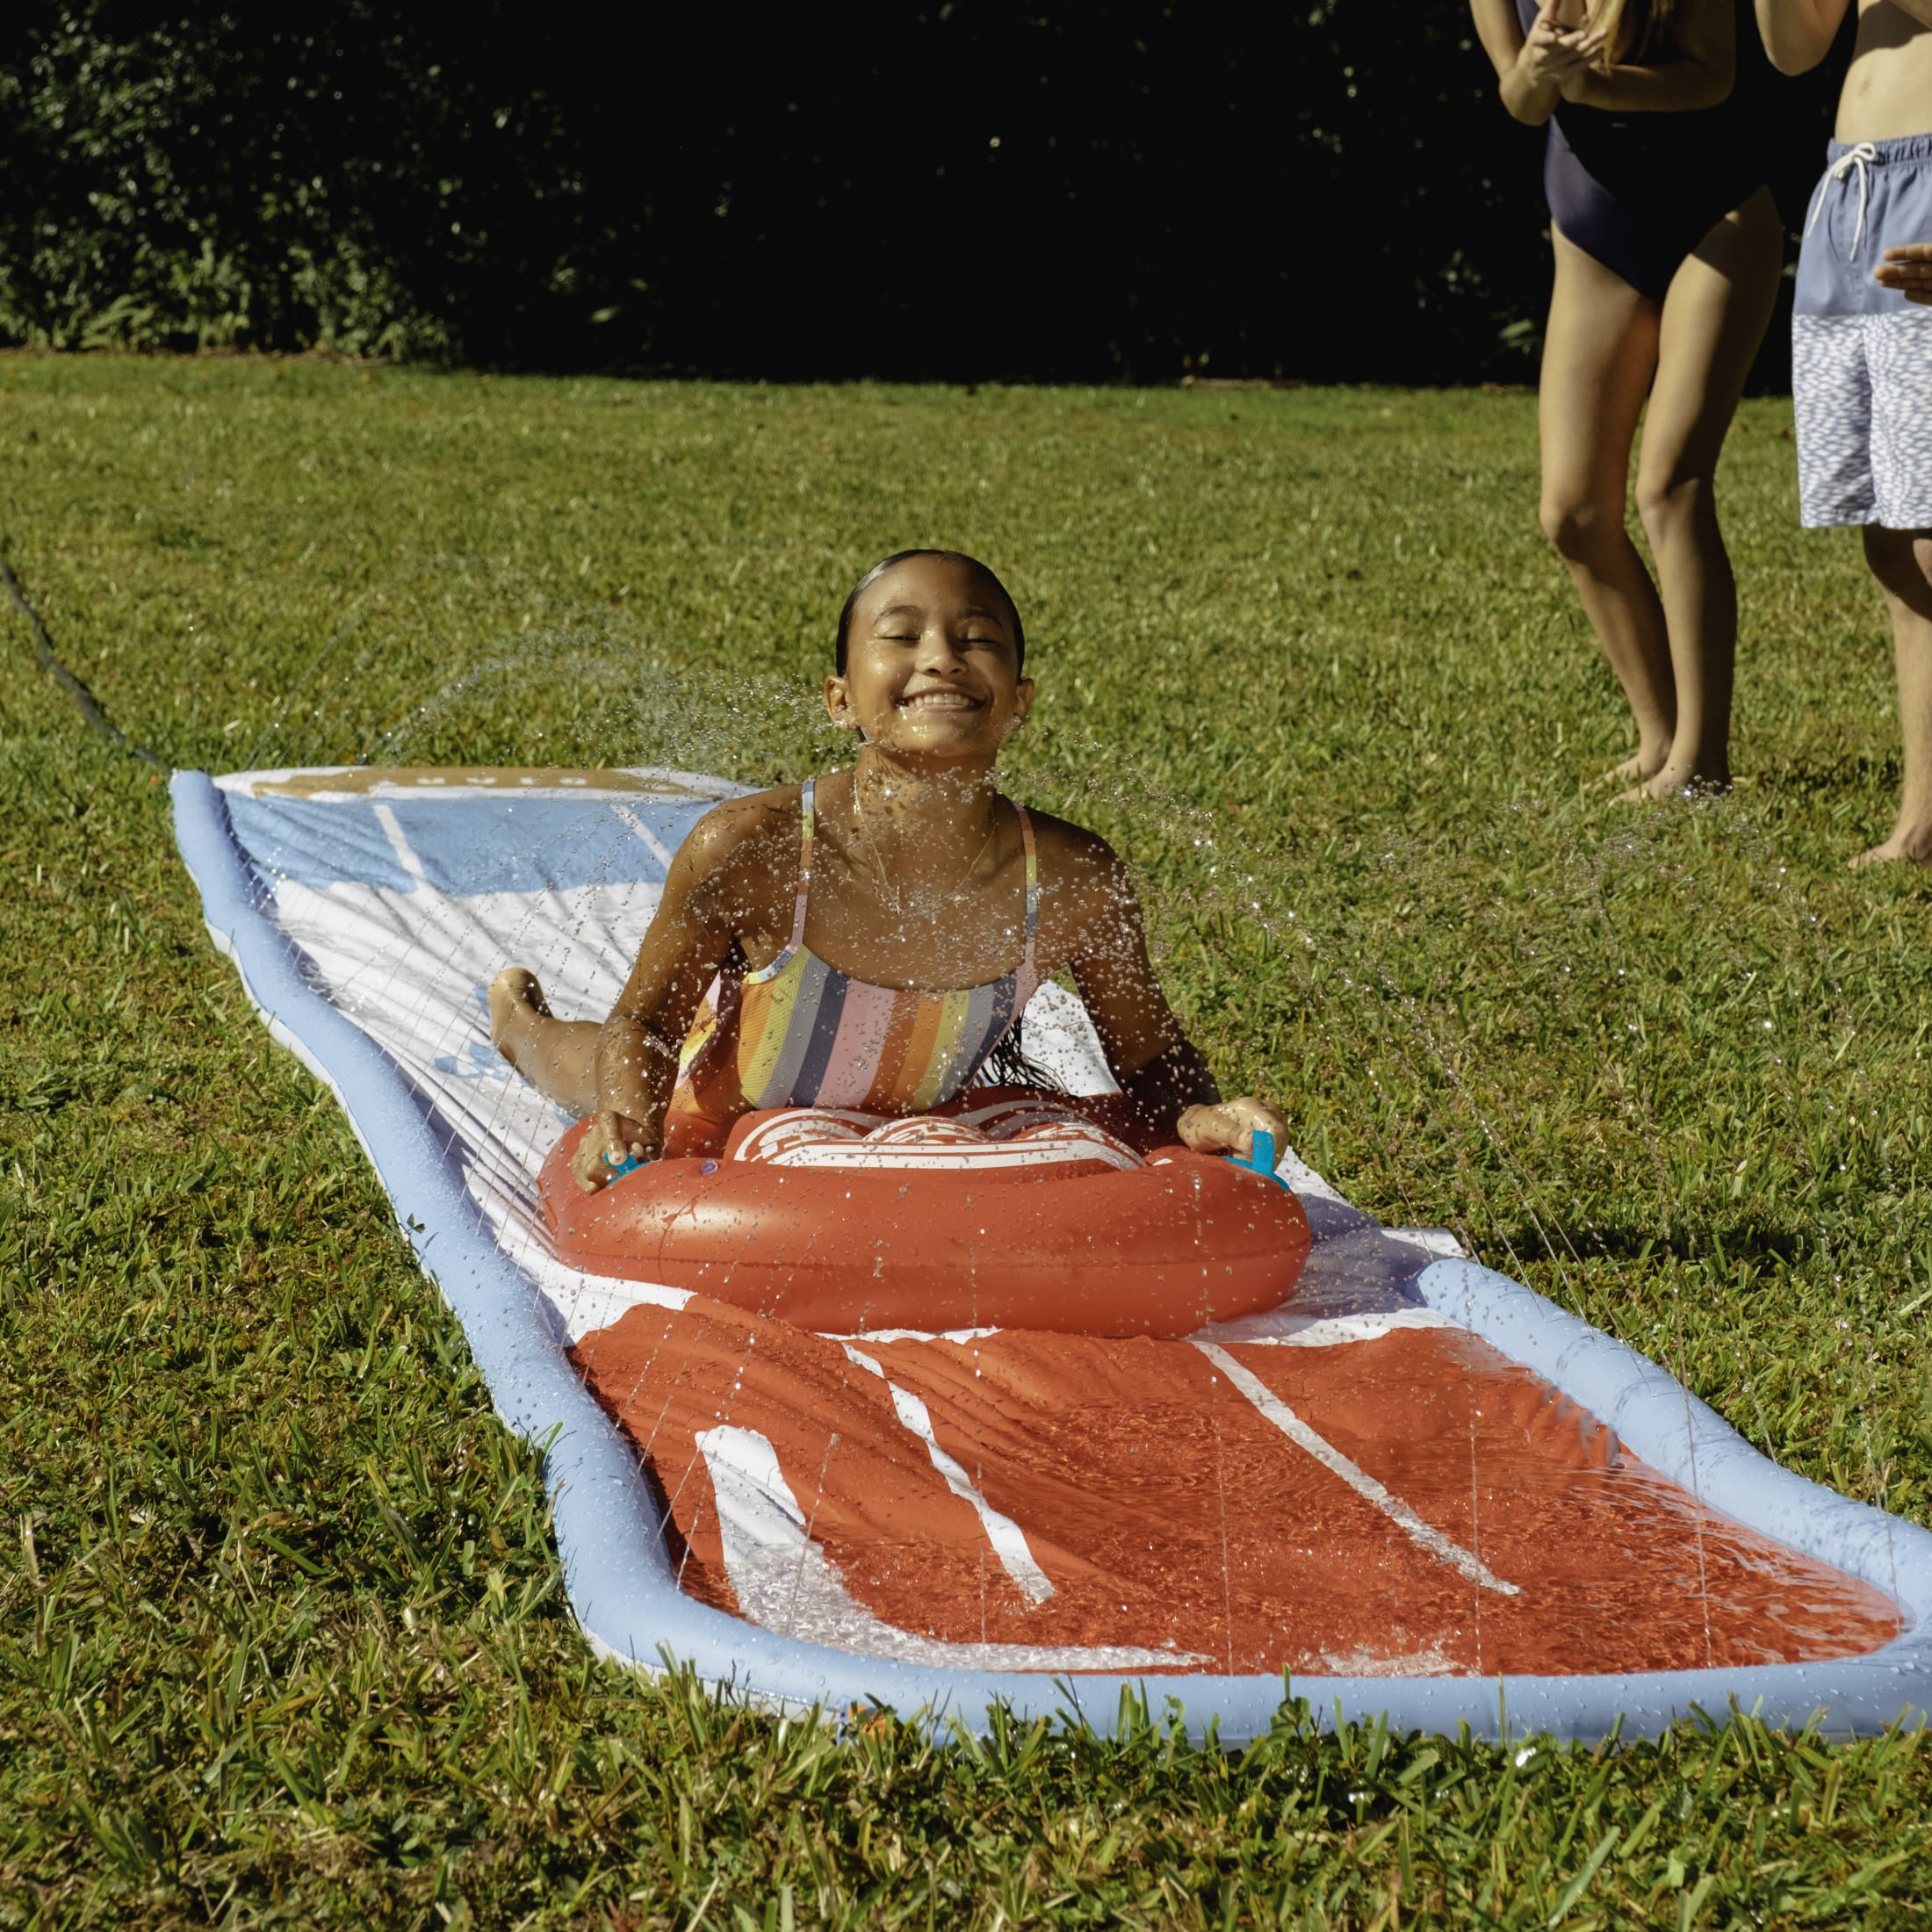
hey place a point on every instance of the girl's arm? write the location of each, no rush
(688, 942)
(1164, 1076)
(1530, 70)
(1702, 74)
(1797, 33)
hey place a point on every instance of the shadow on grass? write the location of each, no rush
(1736, 1243)
(1857, 772)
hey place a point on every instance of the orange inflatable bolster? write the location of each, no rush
(1079, 1248)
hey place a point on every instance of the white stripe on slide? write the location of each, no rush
(1008, 1539)
(1398, 1512)
(406, 856)
(784, 1580)
(654, 845)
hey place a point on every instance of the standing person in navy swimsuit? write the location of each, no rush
(1669, 249)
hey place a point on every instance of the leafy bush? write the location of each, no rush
(230, 181)
(981, 188)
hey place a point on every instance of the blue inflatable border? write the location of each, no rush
(627, 1601)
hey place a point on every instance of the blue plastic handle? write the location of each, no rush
(1261, 1157)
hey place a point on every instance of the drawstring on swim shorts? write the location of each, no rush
(1856, 157)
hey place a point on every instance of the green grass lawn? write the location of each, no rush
(281, 1635)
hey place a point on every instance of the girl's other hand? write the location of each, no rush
(1228, 1127)
(1908, 268)
(611, 1139)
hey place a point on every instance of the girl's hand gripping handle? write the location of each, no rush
(1260, 1156)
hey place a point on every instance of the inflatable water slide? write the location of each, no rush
(1411, 1489)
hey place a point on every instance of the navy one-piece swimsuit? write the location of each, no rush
(1639, 192)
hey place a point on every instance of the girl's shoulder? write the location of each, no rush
(1088, 905)
(1071, 854)
(758, 809)
(753, 828)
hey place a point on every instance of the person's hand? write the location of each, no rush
(1228, 1127)
(610, 1139)
(1556, 55)
(1908, 268)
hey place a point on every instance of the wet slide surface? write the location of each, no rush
(1350, 1486)
(1157, 1497)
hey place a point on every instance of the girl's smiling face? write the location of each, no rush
(932, 664)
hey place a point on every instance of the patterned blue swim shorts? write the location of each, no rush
(1861, 354)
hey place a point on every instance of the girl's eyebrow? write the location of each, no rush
(918, 613)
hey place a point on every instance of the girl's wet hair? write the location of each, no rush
(898, 557)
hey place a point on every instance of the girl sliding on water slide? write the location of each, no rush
(870, 939)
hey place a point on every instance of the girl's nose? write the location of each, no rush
(939, 654)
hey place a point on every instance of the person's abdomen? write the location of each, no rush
(1887, 95)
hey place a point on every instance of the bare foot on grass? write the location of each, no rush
(1637, 769)
(517, 1004)
(1911, 843)
(1666, 786)
(1629, 773)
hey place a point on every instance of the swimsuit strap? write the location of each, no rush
(1033, 885)
(804, 864)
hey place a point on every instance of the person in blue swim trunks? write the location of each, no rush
(1669, 249)
(1861, 341)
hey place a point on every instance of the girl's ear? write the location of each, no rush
(838, 706)
(1022, 700)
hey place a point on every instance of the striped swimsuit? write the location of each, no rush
(800, 1032)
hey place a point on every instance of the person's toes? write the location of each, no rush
(1669, 784)
(1915, 847)
(1630, 772)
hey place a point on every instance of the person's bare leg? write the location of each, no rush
(1901, 560)
(1598, 356)
(1715, 317)
(558, 1057)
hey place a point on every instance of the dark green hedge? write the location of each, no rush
(962, 189)
(220, 179)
